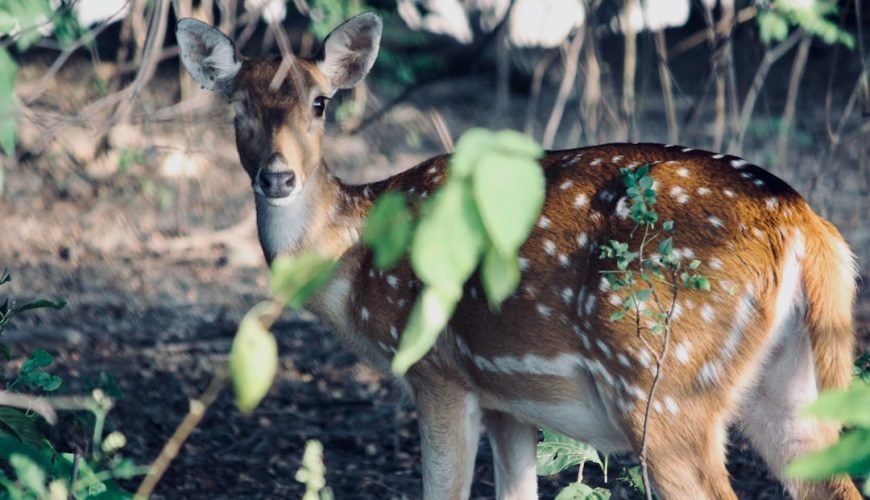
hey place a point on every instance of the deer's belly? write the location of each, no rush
(579, 410)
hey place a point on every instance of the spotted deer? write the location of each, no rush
(775, 329)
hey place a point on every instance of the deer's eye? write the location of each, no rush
(319, 106)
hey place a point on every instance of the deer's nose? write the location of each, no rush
(276, 184)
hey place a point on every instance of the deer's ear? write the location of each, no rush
(208, 55)
(350, 50)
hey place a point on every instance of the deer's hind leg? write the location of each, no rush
(770, 417)
(685, 451)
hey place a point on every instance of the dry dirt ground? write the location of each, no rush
(158, 260)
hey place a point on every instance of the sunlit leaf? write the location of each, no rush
(849, 406)
(295, 279)
(449, 240)
(849, 455)
(388, 229)
(29, 473)
(501, 276)
(473, 144)
(509, 191)
(253, 360)
(558, 452)
(772, 26)
(580, 491)
(430, 315)
(8, 126)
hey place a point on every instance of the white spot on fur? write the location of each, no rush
(671, 405)
(718, 156)
(596, 162)
(715, 221)
(582, 240)
(565, 185)
(614, 299)
(364, 314)
(707, 313)
(543, 222)
(703, 191)
(681, 351)
(394, 333)
(392, 281)
(524, 263)
(686, 150)
(729, 193)
(543, 310)
(683, 172)
(622, 210)
(716, 264)
(567, 294)
(563, 259)
(771, 203)
(617, 159)
(549, 247)
(603, 284)
(604, 348)
(590, 303)
(623, 360)
(581, 200)
(739, 163)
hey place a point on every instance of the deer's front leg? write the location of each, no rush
(513, 448)
(449, 431)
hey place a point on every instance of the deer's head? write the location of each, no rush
(279, 121)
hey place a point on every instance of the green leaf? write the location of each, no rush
(39, 358)
(634, 477)
(388, 229)
(430, 315)
(29, 473)
(509, 191)
(668, 225)
(42, 304)
(558, 452)
(253, 360)
(21, 426)
(41, 379)
(772, 26)
(473, 144)
(295, 279)
(695, 264)
(580, 491)
(849, 455)
(501, 276)
(8, 124)
(849, 406)
(449, 240)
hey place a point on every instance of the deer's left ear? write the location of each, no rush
(350, 50)
(208, 55)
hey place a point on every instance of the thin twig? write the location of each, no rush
(443, 131)
(571, 58)
(723, 27)
(170, 450)
(770, 57)
(794, 81)
(667, 91)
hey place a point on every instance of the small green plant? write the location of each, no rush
(313, 473)
(813, 16)
(851, 453)
(39, 470)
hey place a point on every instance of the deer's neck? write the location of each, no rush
(326, 217)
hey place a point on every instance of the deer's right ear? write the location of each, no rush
(208, 55)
